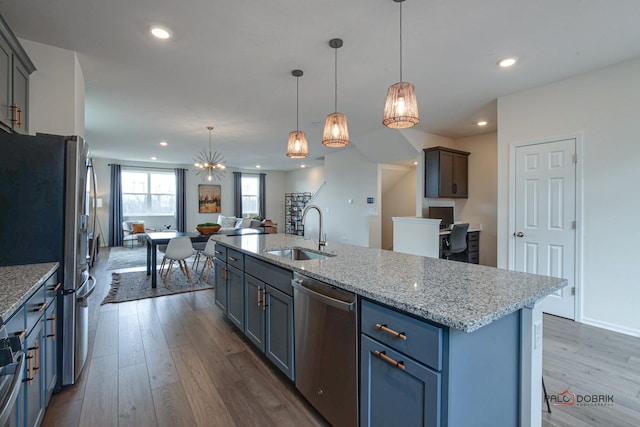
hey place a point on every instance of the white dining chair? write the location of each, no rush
(209, 255)
(178, 249)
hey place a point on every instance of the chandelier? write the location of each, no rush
(210, 164)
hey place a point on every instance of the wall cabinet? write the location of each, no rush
(446, 173)
(15, 68)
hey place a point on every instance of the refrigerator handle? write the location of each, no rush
(90, 284)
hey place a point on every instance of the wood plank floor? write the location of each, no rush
(175, 361)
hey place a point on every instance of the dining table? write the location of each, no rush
(154, 239)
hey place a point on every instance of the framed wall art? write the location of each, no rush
(209, 198)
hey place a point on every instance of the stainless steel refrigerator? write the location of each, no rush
(47, 198)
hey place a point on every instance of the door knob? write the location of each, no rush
(519, 234)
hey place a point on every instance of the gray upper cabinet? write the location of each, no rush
(446, 173)
(15, 68)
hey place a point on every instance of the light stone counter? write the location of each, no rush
(459, 295)
(18, 282)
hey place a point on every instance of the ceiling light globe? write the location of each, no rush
(507, 62)
(160, 32)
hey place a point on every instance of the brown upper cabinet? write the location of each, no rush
(446, 172)
(15, 67)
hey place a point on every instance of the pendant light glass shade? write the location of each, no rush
(336, 132)
(401, 108)
(297, 147)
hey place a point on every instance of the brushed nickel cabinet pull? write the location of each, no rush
(232, 259)
(389, 360)
(400, 335)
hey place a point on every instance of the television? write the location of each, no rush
(442, 212)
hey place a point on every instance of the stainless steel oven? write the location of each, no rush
(11, 366)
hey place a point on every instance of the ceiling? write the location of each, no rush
(229, 65)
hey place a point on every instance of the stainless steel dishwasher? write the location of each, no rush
(326, 349)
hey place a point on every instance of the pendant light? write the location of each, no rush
(401, 108)
(210, 164)
(336, 133)
(297, 147)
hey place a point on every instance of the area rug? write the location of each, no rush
(136, 285)
(125, 257)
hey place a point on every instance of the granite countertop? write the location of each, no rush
(18, 282)
(455, 294)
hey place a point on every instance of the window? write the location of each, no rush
(250, 195)
(148, 193)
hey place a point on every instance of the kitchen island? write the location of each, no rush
(484, 318)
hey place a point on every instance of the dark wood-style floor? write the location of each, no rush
(175, 361)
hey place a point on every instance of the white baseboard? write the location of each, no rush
(611, 327)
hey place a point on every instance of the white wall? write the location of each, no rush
(348, 175)
(275, 181)
(482, 204)
(56, 90)
(397, 198)
(601, 107)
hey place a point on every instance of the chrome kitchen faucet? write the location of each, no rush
(321, 243)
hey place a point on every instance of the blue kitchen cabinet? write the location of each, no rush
(50, 348)
(235, 296)
(403, 394)
(279, 329)
(254, 310)
(220, 280)
(417, 373)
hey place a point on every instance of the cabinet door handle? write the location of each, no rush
(224, 273)
(14, 113)
(232, 259)
(56, 288)
(40, 307)
(259, 296)
(454, 188)
(389, 360)
(29, 379)
(217, 252)
(19, 117)
(53, 327)
(400, 335)
(264, 299)
(21, 334)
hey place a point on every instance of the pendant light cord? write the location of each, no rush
(335, 105)
(400, 41)
(297, 80)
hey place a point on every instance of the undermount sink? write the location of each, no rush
(298, 254)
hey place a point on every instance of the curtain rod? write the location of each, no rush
(147, 167)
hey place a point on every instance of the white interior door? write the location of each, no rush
(545, 215)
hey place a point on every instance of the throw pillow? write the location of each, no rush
(137, 228)
(227, 221)
(243, 223)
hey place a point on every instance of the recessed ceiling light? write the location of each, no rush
(302, 166)
(153, 158)
(482, 123)
(507, 62)
(160, 32)
(163, 143)
(415, 163)
(257, 166)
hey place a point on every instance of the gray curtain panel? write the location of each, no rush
(263, 191)
(115, 208)
(237, 194)
(181, 204)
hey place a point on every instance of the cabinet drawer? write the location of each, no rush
(277, 277)
(235, 259)
(473, 258)
(35, 307)
(221, 252)
(473, 235)
(423, 341)
(51, 288)
(473, 246)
